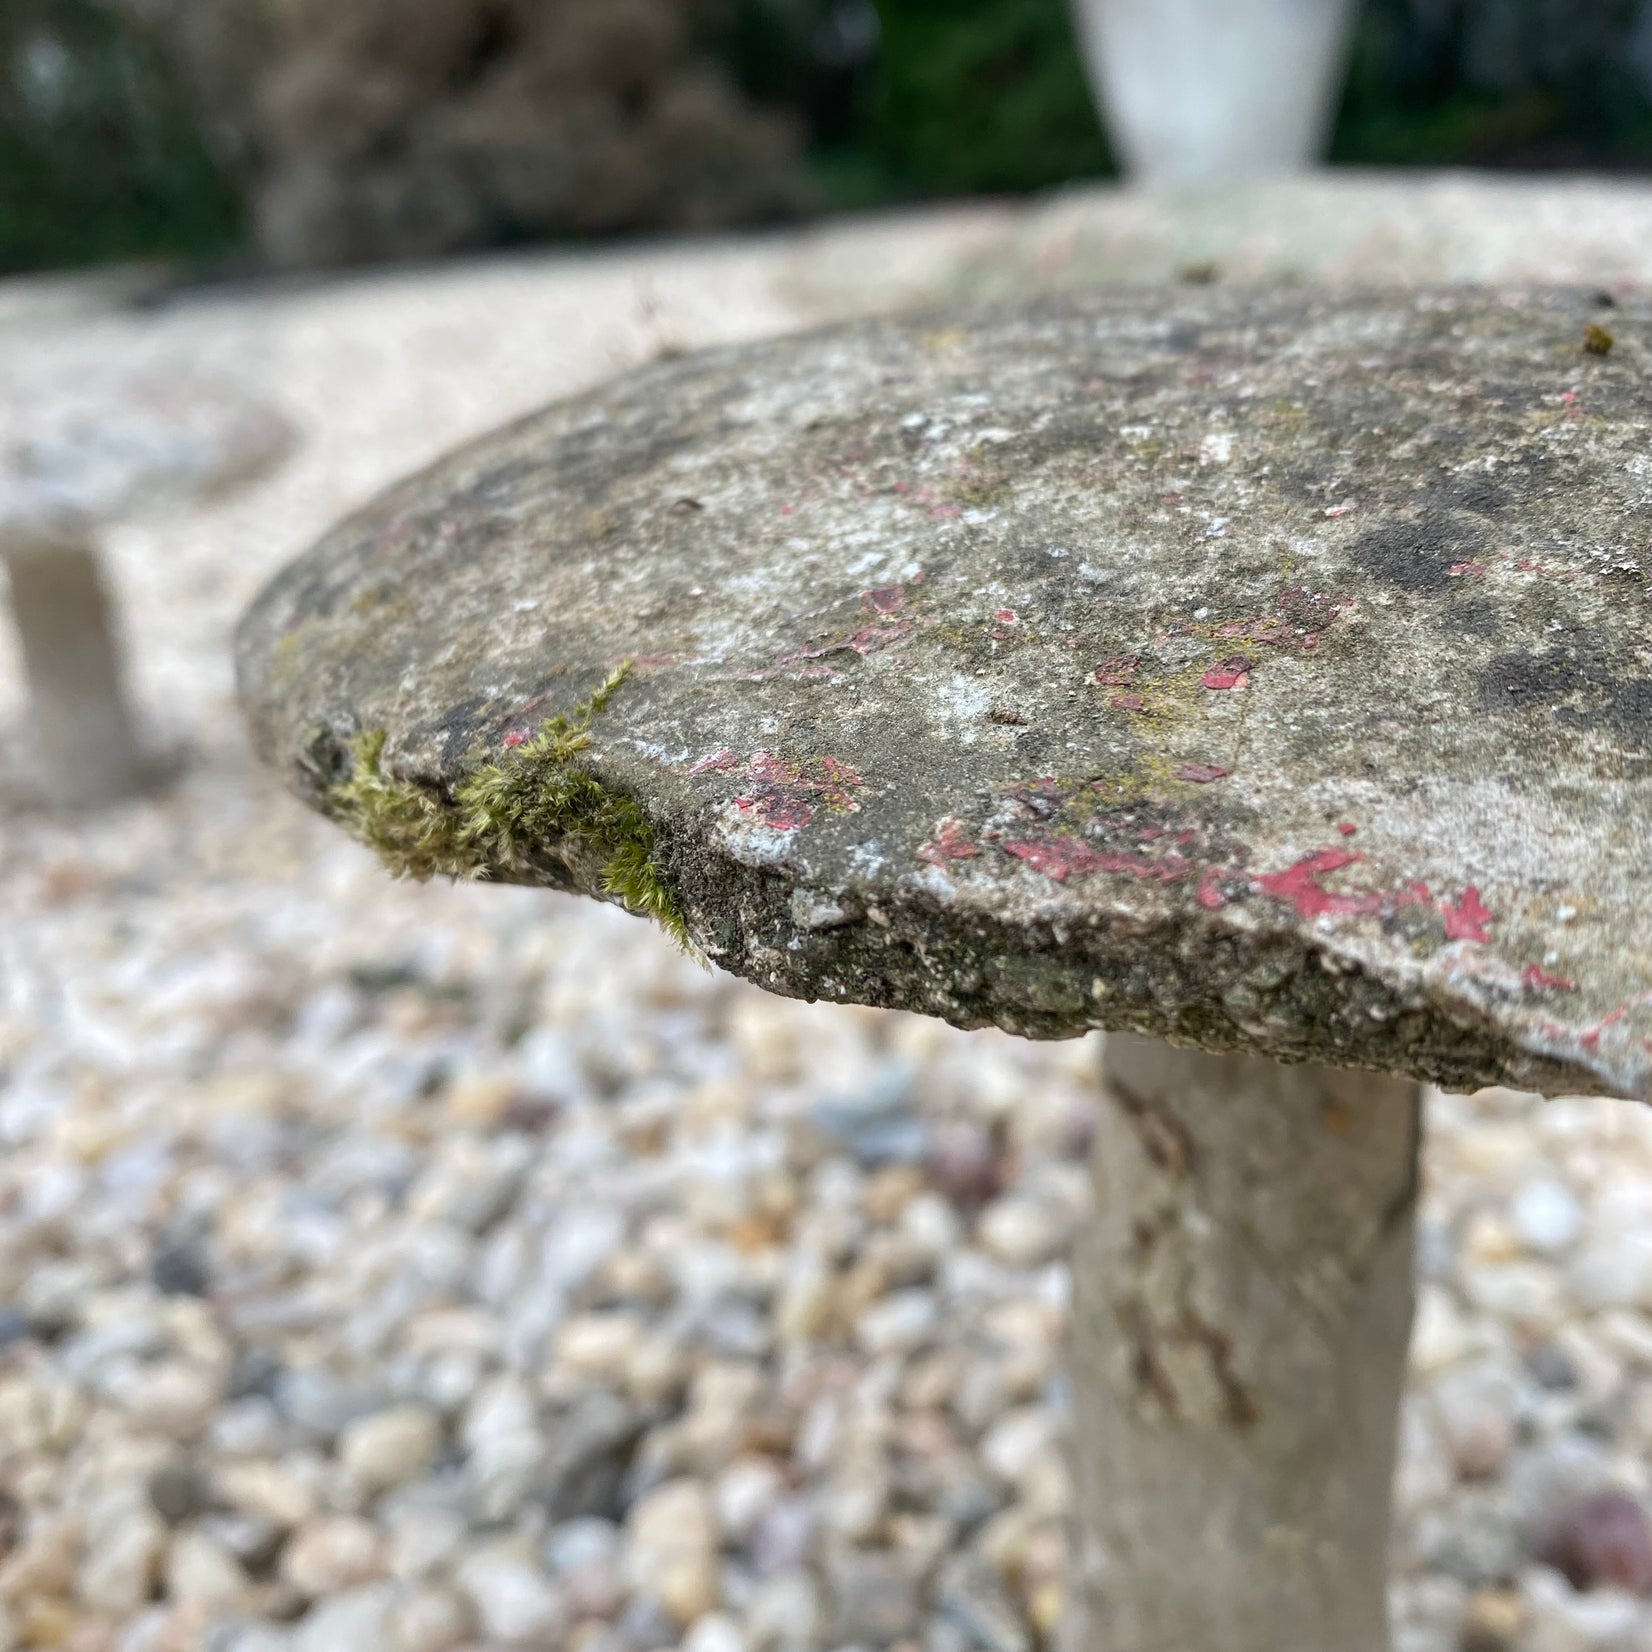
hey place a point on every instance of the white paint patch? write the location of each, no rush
(964, 702)
(866, 860)
(754, 844)
(1217, 448)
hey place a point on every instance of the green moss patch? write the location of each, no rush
(539, 796)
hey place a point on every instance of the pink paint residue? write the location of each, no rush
(1202, 773)
(1467, 570)
(949, 843)
(1537, 978)
(884, 599)
(1347, 828)
(837, 785)
(1231, 673)
(1005, 616)
(516, 737)
(1060, 858)
(1210, 893)
(778, 810)
(1299, 884)
(767, 768)
(1466, 919)
(1119, 672)
(716, 762)
(785, 794)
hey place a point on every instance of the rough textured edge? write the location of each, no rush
(538, 799)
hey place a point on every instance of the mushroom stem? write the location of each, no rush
(1243, 1308)
(86, 745)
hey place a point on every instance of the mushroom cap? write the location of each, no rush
(1265, 671)
(109, 443)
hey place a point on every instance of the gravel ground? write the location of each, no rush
(438, 1267)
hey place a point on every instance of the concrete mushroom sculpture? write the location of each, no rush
(1259, 677)
(97, 451)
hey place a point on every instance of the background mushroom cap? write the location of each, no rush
(111, 443)
(1266, 671)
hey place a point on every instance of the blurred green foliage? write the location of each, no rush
(100, 154)
(1525, 83)
(979, 95)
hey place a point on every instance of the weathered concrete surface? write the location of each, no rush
(1265, 671)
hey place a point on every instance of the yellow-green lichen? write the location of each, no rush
(538, 797)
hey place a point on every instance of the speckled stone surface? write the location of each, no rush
(1263, 670)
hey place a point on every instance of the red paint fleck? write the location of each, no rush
(1210, 894)
(1060, 858)
(949, 843)
(884, 599)
(1126, 702)
(1005, 616)
(837, 785)
(1299, 884)
(782, 811)
(1467, 570)
(1231, 673)
(769, 769)
(870, 639)
(1335, 512)
(787, 510)
(516, 737)
(1202, 773)
(785, 793)
(1536, 977)
(946, 513)
(716, 762)
(1466, 919)
(1117, 672)
(1347, 828)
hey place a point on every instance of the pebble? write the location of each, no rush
(973, 1596)
(427, 1620)
(1474, 1407)
(121, 1562)
(671, 1558)
(332, 1553)
(1546, 1215)
(873, 1594)
(514, 1601)
(1604, 1540)
(201, 1572)
(388, 1447)
(1023, 1233)
(715, 1632)
(178, 1490)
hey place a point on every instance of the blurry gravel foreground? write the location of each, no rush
(387, 1266)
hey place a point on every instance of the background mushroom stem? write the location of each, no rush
(86, 745)
(1243, 1308)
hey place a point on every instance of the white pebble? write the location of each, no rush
(388, 1447)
